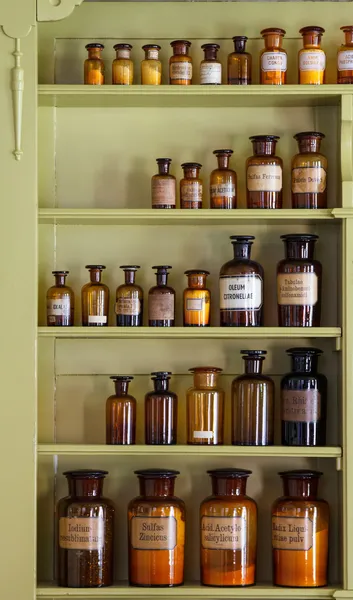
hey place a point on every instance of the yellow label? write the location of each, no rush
(292, 533)
(81, 533)
(297, 289)
(223, 533)
(308, 180)
(153, 533)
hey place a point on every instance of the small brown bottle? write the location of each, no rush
(180, 64)
(94, 65)
(161, 300)
(197, 299)
(121, 413)
(223, 182)
(264, 174)
(60, 302)
(151, 66)
(123, 67)
(345, 56)
(129, 300)
(239, 63)
(273, 58)
(95, 299)
(205, 408)
(191, 186)
(312, 59)
(161, 411)
(309, 169)
(163, 186)
(210, 68)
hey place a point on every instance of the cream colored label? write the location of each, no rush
(223, 533)
(180, 70)
(97, 319)
(161, 307)
(210, 73)
(81, 533)
(274, 61)
(264, 178)
(152, 54)
(123, 53)
(153, 533)
(292, 533)
(128, 306)
(207, 435)
(312, 61)
(191, 191)
(59, 308)
(163, 192)
(345, 60)
(297, 289)
(226, 190)
(196, 304)
(307, 180)
(301, 406)
(243, 292)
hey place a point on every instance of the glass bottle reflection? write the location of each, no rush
(161, 411)
(121, 413)
(129, 300)
(95, 299)
(205, 408)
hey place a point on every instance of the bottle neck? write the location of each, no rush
(180, 49)
(273, 40)
(94, 53)
(348, 37)
(121, 388)
(301, 488)
(210, 54)
(261, 147)
(205, 380)
(253, 365)
(163, 168)
(130, 277)
(60, 280)
(309, 145)
(239, 46)
(304, 364)
(300, 250)
(162, 278)
(191, 172)
(197, 281)
(311, 40)
(161, 486)
(161, 385)
(95, 275)
(241, 250)
(223, 161)
(229, 486)
(151, 54)
(86, 487)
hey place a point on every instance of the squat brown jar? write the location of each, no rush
(180, 64)
(264, 174)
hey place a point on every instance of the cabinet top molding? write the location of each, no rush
(17, 17)
(55, 10)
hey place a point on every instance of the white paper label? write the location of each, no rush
(194, 304)
(264, 178)
(211, 73)
(274, 61)
(243, 292)
(227, 190)
(345, 60)
(58, 308)
(97, 319)
(181, 70)
(312, 61)
(203, 434)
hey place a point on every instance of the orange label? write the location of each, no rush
(153, 533)
(264, 178)
(223, 533)
(292, 533)
(308, 180)
(299, 289)
(161, 306)
(163, 192)
(81, 533)
(301, 406)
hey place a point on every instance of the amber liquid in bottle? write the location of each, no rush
(60, 302)
(161, 300)
(123, 67)
(95, 299)
(309, 169)
(264, 174)
(121, 413)
(205, 408)
(210, 68)
(223, 182)
(345, 57)
(156, 556)
(273, 58)
(300, 559)
(129, 300)
(231, 561)
(180, 64)
(161, 411)
(197, 300)
(191, 186)
(239, 63)
(163, 186)
(151, 67)
(94, 65)
(312, 59)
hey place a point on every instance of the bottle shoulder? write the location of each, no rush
(91, 286)
(291, 502)
(70, 502)
(300, 262)
(161, 289)
(60, 291)
(297, 377)
(253, 379)
(125, 399)
(230, 500)
(241, 266)
(157, 501)
(129, 288)
(264, 159)
(156, 395)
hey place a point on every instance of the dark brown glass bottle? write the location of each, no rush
(241, 287)
(197, 299)
(161, 411)
(163, 186)
(228, 531)
(304, 400)
(191, 186)
(180, 64)
(210, 68)
(161, 300)
(60, 302)
(239, 63)
(253, 403)
(299, 283)
(309, 169)
(223, 182)
(129, 300)
(95, 299)
(264, 174)
(121, 413)
(85, 532)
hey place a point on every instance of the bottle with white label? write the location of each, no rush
(180, 64)
(95, 299)
(239, 63)
(241, 286)
(210, 67)
(345, 57)
(161, 411)
(299, 279)
(129, 300)
(273, 58)
(156, 531)
(228, 523)
(123, 66)
(300, 532)
(312, 59)
(151, 66)
(223, 182)
(161, 300)
(264, 172)
(163, 185)
(197, 299)
(85, 532)
(303, 400)
(205, 408)
(191, 189)
(309, 172)
(60, 302)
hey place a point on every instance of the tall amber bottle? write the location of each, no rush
(94, 65)
(191, 186)
(345, 56)
(253, 403)
(239, 63)
(223, 182)
(197, 299)
(273, 58)
(264, 173)
(163, 186)
(205, 408)
(161, 300)
(228, 531)
(123, 67)
(95, 299)
(312, 59)
(309, 169)
(180, 64)
(210, 67)
(121, 413)
(156, 525)
(161, 411)
(60, 302)
(129, 300)
(300, 532)
(151, 66)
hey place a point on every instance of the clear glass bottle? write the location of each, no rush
(345, 56)
(197, 299)
(241, 286)
(129, 300)
(273, 58)
(228, 531)
(299, 283)
(60, 302)
(156, 526)
(253, 403)
(304, 400)
(85, 532)
(191, 186)
(161, 300)
(121, 413)
(205, 408)
(264, 173)
(123, 67)
(210, 67)
(309, 169)
(151, 66)
(223, 182)
(95, 299)
(161, 411)
(239, 63)
(163, 186)
(300, 532)
(180, 64)
(312, 59)
(94, 68)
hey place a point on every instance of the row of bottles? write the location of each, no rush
(273, 61)
(156, 532)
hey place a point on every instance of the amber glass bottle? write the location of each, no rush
(85, 532)
(228, 531)
(123, 67)
(210, 68)
(197, 299)
(161, 300)
(121, 413)
(253, 403)
(304, 400)
(309, 169)
(95, 299)
(273, 58)
(239, 63)
(163, 186)
(129, 300)
(223, 182)
(60, 302)
(299, 283)
(205, 408)
(300, 530)
(94, 65)
(345, 57)
(241, 287)
(151, 66)
(161, 411)
(180, 64)
(156, 531)
(264, 174)
(312, 59)
(191, 186)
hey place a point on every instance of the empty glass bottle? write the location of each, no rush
(228, 531)
(180, 64)
(94, 65)
(312, 59)
(151, 66)
(205, 408)
(161, 411)
(210, 68)
(123, 67)
(239, 63)
(197, 299)
(191, 186)
(345, 56)
(121, 413)
(129, 300)
(309, 169)
(161, 300)
(264, 173)
(95, 299)
(223, 182)
(60, 302)
(273, 58)
(163, 186)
